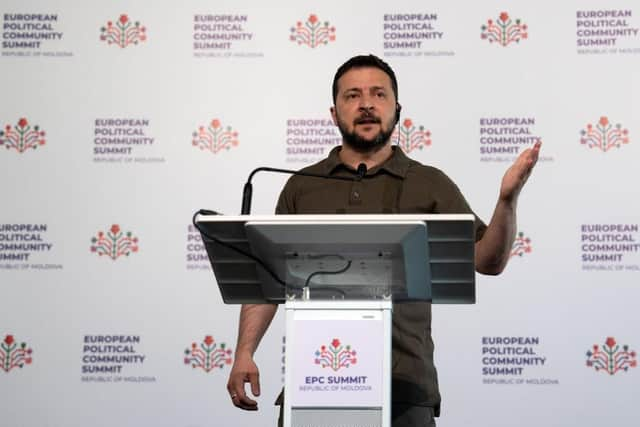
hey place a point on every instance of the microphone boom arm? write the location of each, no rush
(247, 191)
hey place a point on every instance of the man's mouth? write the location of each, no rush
(367, 121)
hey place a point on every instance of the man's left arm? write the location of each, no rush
(492, 251)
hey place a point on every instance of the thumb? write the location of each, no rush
(254, 379)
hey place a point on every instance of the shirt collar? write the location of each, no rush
(397, 164)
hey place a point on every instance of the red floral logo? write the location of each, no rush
(312, 33)
(611, 357)
(123, 32)
(208, 355)
(604, 135)
(336, 356)
(214, 137)
(114, 243)
(22, 136)
(411, 137)
(504, 31)
(521, 245)
(13, 355)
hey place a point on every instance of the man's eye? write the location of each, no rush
(352, 95)
(381, 95)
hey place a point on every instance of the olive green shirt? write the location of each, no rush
(399, 185)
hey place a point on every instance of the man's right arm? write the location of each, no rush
(254, 321)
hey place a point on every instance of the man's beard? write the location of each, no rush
(365, 145)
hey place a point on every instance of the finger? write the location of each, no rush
(522, 166)
(235, 387)
(235, 384)
(254, 379)
(528, 159)
(244, 401)
(241, 400)
(535, 151)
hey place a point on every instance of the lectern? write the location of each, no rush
(338, 276)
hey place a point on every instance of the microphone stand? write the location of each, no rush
(247, 191)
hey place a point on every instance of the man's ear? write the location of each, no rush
(333, 115)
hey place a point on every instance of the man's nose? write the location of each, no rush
(366, 103)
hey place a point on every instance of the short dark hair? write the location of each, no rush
(364, 61)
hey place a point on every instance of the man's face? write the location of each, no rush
(365, 108)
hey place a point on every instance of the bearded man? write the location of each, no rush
(366, 110)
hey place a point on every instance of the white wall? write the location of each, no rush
(56, 297)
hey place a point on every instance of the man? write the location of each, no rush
(365, 94)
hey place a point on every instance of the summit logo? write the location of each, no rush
(214, 137)
(312, 32)
(123, 32)
(14, 355)
(603, 135)
(521, 246)
(411, 137)
(114, 243)
(504, 31)
(335, 356)
(22, 136)
(611, 357)
(208, 355)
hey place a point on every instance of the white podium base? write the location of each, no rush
(338, 364)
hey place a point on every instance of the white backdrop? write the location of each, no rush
(102, 339)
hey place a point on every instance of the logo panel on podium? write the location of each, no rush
(337, 363)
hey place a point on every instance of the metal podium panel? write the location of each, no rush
(346, 259)
(327, 417)
(450, 249)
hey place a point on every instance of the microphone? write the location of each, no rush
(247, 191)
(362, 171)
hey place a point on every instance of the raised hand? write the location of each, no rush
(516, 176)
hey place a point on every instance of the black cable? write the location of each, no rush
(234, 248)
(399, 128)
(317, 273)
